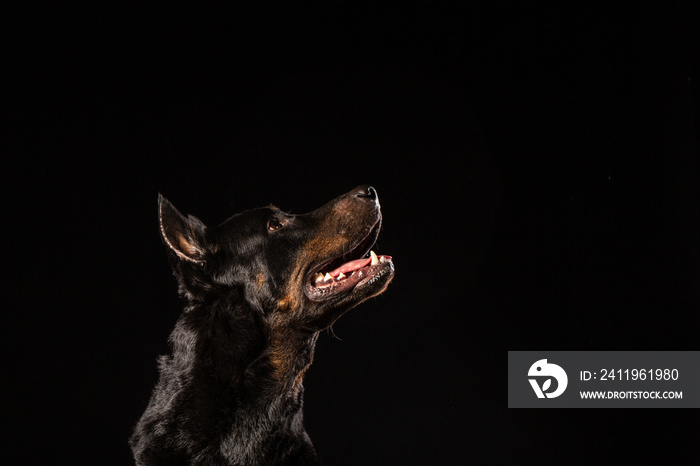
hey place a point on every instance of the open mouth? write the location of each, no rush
(357, 268)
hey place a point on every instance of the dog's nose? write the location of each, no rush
(367, 192)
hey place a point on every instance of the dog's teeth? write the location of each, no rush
(318, 277)
(340, 276)
(382, 260)
(375, 260)
(327, 277)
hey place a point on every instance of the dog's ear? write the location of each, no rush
(183, 235)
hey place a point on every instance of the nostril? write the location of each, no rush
(367, 192)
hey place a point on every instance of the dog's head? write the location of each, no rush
(304, 269)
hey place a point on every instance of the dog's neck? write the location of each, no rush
(261, 362)
(244, 356)
(240, 375)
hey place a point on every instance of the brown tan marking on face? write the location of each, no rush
(289, 302)
(260, 281)
(317, 248)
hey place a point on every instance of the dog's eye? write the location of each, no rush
(274, 224)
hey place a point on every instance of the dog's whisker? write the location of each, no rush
(331, 332)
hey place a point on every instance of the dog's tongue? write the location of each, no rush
(350, 266)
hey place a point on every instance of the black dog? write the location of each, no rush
(258, 289)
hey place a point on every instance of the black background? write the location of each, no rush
(536, 168)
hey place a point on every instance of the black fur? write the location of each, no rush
(231, 392)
